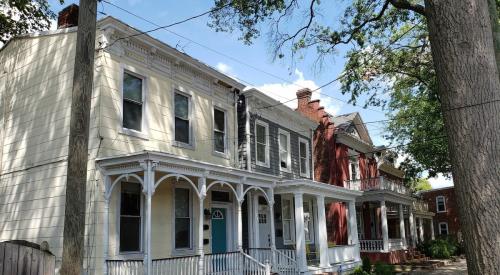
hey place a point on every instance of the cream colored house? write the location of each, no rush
(167, 193)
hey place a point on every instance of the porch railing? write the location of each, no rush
(128, 267)
(396, 244)
(371, 245)
(180, 266)
(234, 263)
(378, 183)
(283, 261)
(344, 253)
(421, 206)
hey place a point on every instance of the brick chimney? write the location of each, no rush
(303, 98)
(68, 17)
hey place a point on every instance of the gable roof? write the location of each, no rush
(350, 122)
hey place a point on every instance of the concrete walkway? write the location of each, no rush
(455, 268)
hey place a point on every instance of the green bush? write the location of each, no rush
(366, 265)
(359, 271)
(442, 248)
(383, 269)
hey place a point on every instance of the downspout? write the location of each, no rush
(247, 132)
(235, 125)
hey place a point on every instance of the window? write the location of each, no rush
(287, 220)
(308, 222)
(284, 147)
(354, 168)
(304, 157)
(132, 102)
(443, 228)
(130, 217)
(182, 123)
(219, 131)
(262, 143)
(183, 223)
(440, 204)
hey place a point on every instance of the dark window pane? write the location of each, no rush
(182, 202)
(132, 115)
(182, 130)
(219, 142)
(130, 200)
(303, 149)
(182, 235)
(261, 152)
(181, 106)
(261, 134)
(303, 165)
(283, 159)
(219, 120)
(132, 87)
(130, 230)
(220, 196)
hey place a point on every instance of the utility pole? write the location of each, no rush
(76, 179)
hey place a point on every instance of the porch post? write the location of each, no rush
(239, 226)
(413, 231)
(322, 232)
(255, 220)
(105, 233)
(385, 229)
(402, 225)
(271, 219)
(149, 182)
(421, 233)
(354, 228)
(432, 229)
(300, 241)
(202, 189)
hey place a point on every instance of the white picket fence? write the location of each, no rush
(126, 267)
(178, 266)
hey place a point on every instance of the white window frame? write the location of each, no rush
(181, 91)
(447, 230)
(292, 220)
(355, 161)
(437, 204)
(266, 126)
(308, 159)
(144, 122)
(118, 222)
(288, 155)
(311, 222)
(226, 151)
(190, 249)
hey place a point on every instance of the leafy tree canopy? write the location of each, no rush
(422, 185)
(22, 16)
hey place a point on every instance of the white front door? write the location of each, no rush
(264, 226)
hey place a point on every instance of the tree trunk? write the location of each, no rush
(469, 87)
(495, 28)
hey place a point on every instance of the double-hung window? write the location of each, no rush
(440, 204)
(132, 102)
(130, 217)
(219, 131)
(284, 147)
(304, 157)
(287, 220)
(354, 168)
(262, 143)
(443, 228)
(182, 118)
(183, 219)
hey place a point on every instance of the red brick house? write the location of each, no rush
(344, 155)
(442, 201)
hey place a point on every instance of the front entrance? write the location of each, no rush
(221, 235)
(264, 227)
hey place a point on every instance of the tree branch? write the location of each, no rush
(404, 4)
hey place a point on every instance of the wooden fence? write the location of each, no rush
(25, 258)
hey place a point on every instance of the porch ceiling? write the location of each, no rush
(310, 187)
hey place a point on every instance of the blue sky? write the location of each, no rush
(257, 55)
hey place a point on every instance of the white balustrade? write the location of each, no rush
(371, 245)
(285, 261)
(344, 253)
(378, 183)
(180, 266)
(234, 263)
(396, 244)
(125, 267)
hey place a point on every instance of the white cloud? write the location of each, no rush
(286, 91)
(225, 69)
(440, 181)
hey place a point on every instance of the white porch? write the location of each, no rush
(246, 202)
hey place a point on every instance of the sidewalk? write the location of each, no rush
(455, 268)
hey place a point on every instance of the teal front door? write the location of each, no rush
(219, 230)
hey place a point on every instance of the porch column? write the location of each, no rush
(105, 233)
(239, 225)
(202, 189)
(421, 233)
(432, 229)
(300, 241)
(354, 228)
(149, 179)
(322, 232)
(270, 194)
(385, 229)
(412, 229)
(402, 225)
(255, 220)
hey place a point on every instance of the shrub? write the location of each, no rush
(366, 265)
(383, 269)
(442, 248)
(359, 271)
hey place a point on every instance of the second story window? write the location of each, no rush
(353, 168)
(440, 204)
(262, 143)
(284, 147)
(132, 102)
(130, 217)
(304, 157)
(443, 228)
(182, 122)
(219, 131)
